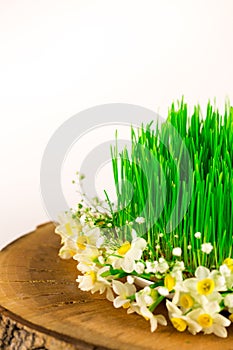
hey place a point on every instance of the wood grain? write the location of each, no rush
(41, 307)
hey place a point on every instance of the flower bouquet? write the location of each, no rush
(169, 236)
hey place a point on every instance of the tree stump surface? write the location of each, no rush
(41, 307)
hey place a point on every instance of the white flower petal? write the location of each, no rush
(161, 320)
(220, 331)
(127, 264)
(119, 302)
(153, 323)
(109, 294)
(202, 272)
(221, 320)
(172, 308)
(118, 287)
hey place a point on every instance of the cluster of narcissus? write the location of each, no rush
(119, 268)
(170, 235)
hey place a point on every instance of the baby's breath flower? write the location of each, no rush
(197, 235)
(189, 247)
(176, 251)
(140, 220)
(206, 248)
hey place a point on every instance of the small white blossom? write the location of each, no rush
(139, 267)
(151, 267)
(206, 248)
(162, 266)
(123, 291)
(189, 247)
(130, 279)
(197, 235)
(140, 220)
(177, 251)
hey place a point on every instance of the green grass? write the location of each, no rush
(179, 190)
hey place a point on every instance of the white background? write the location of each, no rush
(59, 57)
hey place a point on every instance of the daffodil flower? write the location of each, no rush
(206, 283)
(92, 281)
(227, 275)
(130, 253)
(228, 302)
(182, 321)
(144, 299)
(210, 320)
(123, 291)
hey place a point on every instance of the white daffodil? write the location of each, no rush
(154, 319)
(87, 256)
(146, 296)
(92, 236)
(69, 229)
(177, 271)
(93, 281)
(130, 254)
(144, 299)
(205, 283)
(123, 291)
(180, 321)
(227, 274)
(228, 302)
(179, 288)
(210, 320)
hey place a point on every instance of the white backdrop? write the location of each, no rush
(59, 57)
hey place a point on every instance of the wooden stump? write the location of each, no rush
(42, 307)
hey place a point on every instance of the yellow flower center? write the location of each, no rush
(179, 324)
(92, 275)
(169, 282)
(186, 301)
(229, 263)
(205, 320)
(82, 241)
(124, 248)
(126, 305)
(231, 317)
(205, 286)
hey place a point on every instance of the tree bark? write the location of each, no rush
(41, 307)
